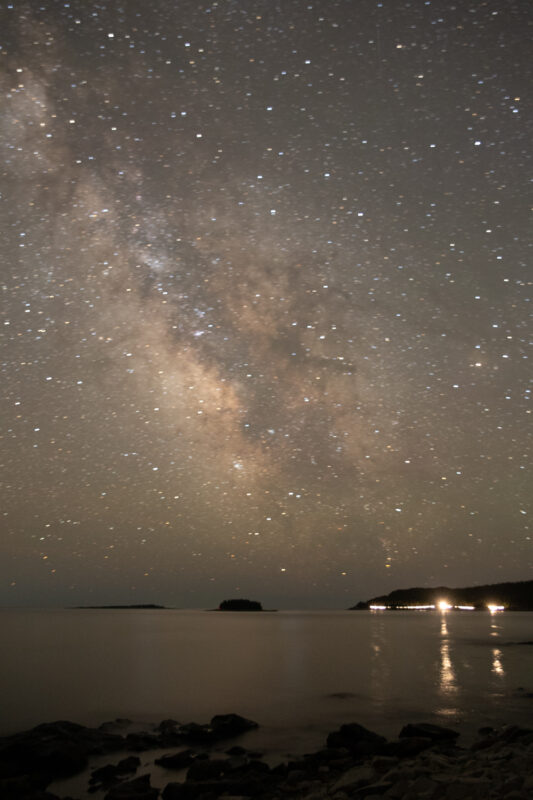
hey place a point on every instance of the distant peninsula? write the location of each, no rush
(149, 606)
(240, 604)
(517, 596)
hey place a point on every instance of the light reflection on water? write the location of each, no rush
(290, 671)
(448, 683)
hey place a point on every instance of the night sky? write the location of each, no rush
(265, 299)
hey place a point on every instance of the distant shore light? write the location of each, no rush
(443, 605)
(493, 608)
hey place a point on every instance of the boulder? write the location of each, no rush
(180, 760)
(407, 748)
(179, 791)
(354, 778)
(137, 789)
(358, 740)
(428, 731)
(111, 773)
(56, 749)
(142, 740)
(205, 769)
(225, 726)
(196, 734)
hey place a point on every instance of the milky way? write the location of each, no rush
(265, 299)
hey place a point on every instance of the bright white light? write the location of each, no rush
(443, 605)
(493, 608)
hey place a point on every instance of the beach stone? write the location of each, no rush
(178, 791)
(236, 750)
(21, 786)
(180, 760)
(225, 726)
(296, 775)
(407, 748)
(205, 769)
(383, 764)
(373, 789)
(168, 726)
(358, 740)
(423, 785)
(468, 789)
(137, 789)
(197, 734)
(56, 749)
(355, 777)
(142, 740)
(112, 772)
(426, 730)
(512, 783)
(398, 787)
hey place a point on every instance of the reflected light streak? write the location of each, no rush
(497, 666)
(448, 683)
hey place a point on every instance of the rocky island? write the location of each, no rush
(517, 596)
(240, 604)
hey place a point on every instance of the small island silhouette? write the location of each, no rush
(240, 604)
(516, 596)
(137, 606)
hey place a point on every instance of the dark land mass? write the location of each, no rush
(517, 596)
(149, 606)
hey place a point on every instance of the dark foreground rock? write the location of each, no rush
(137, 789)
(53, 750)
(424, 762)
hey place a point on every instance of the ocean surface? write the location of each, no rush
(299, 674)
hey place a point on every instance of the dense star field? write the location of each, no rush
(265, 299)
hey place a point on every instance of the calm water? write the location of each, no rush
(299, 674)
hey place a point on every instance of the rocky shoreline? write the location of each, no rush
(424, 762)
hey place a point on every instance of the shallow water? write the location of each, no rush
(299, 674)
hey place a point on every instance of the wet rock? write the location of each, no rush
(407, 748)
(196, 734)
(205, 769)
(115, 725)
(236, 750)
(179, 760)
(355, 777)
(111, 773)
(225, 726)
(168, 726)
(178, 791)
(373, 789)
(137, 789)
(383, 764)
(56, 749)
(22, 787)
(139, 741)
(426, 730)
(359, 741)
